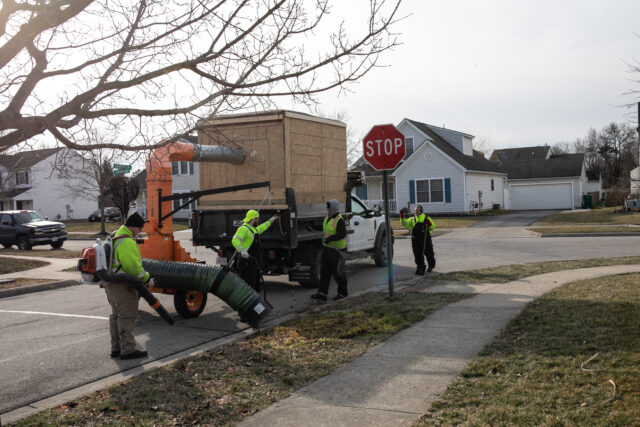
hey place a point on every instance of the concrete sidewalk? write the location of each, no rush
(394, 383)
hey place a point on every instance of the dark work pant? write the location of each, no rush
(331, 258)
(250, 272)
(422, 248)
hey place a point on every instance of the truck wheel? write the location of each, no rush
(315, 271)
(57, 245)
(380, 252)
(23, 243)
(189, 304)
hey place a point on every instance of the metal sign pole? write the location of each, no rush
(389, 248)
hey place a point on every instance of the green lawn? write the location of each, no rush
(571, 358)
(595, 216)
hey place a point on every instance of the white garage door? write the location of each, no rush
(548, 196)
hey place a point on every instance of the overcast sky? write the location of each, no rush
(513, 72)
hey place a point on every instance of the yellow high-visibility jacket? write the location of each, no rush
(243, 239)
(411, 222)
(127, 256)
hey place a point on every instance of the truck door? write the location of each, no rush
(7, 232)
(361, 228)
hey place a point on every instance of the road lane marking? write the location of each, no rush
(55, 314)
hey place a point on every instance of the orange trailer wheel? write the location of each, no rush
(189, 304)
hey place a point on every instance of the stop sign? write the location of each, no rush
(383, 147)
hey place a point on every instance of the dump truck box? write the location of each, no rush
(289, 149)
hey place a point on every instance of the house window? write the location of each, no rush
(177, 203)
(430, 191)
(181, 168)
(22, 177)
(408, 145)
(492, 188)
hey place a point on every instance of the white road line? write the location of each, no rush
(55, 314)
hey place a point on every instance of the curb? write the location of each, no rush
(597, 234)
(4, 293)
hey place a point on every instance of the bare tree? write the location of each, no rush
(123, 191)
(145, 70)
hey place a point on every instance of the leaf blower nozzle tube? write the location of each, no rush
(140, 287)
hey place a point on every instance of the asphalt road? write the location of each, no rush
(57, 340)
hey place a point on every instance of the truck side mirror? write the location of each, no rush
(376, 210)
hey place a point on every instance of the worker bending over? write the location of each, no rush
(247, 243)
(420, 227)
(334, 241)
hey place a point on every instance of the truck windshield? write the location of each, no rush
(26, 217)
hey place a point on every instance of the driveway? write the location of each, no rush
(515, 219)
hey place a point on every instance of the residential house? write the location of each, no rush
(440, 171)
(185, 178)
(537, 179)
(30, 180)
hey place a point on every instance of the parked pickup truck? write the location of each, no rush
(293, 244)
(27, 228)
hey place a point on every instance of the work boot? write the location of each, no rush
(430, 269)
(319, 296)
(420, 271)
(339, 297)
(136, 354)
(115, 354)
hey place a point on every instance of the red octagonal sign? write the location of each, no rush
(383, 147)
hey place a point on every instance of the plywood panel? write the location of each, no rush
(334, 132)
(307, 155)
(306, 127)
(306, 165)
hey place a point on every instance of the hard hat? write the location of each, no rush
(251, 215)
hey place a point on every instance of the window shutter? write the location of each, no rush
(412, 191)
(447, 190)
(361, 192)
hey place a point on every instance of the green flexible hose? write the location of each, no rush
(186, 276)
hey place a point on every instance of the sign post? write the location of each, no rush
(383, 148)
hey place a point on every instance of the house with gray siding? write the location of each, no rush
(440, 171)
(538, 179)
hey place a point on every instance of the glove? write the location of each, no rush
(244, 254)
(274, 218)
(151, 284)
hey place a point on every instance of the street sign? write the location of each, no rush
(119, 171)
(126, 168)
(383, 147)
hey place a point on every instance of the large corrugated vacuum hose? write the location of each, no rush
(222, 283)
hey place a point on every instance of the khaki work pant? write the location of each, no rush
(123, 299)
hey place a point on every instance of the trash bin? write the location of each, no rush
(586, 201)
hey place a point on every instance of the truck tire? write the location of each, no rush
(380, 253)
(57, 245)
(23, 243)
(314, 282)
(189, 304)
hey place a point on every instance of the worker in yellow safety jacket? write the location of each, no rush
(334, 242)
(247, 244)
(123, 297)
(420, 227)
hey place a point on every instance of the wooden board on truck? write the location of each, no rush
(289, 149)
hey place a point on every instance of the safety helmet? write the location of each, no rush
(251, 215)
